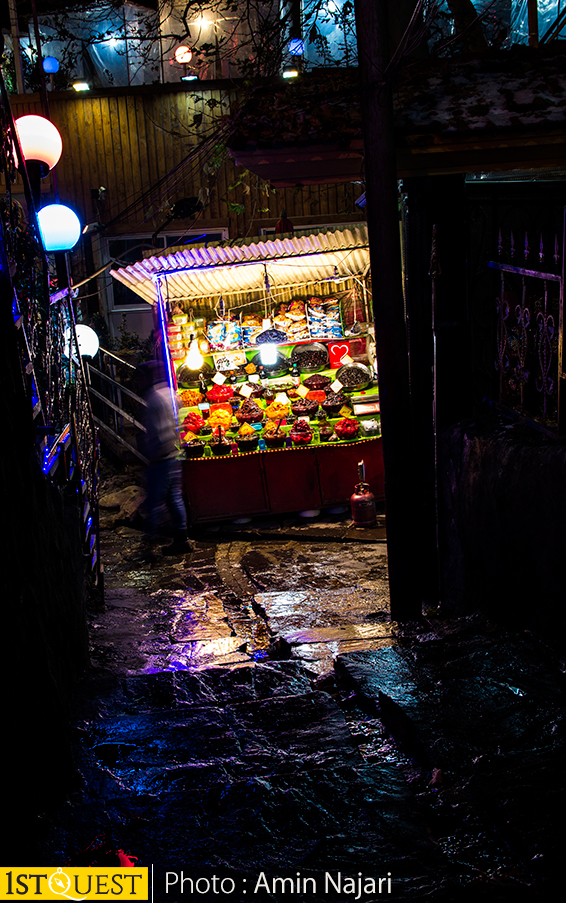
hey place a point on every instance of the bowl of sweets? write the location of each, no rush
(333, 403)
(317, 381)
(301, 433)
(347, 428)
(274, 435)
(249, 412)
(310, 357)
(193, 448)
(247, 438)
(354, 377)
(219, 444)
(304, 407)
(325, 431)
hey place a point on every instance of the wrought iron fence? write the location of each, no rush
(528, 312)
(53, 378)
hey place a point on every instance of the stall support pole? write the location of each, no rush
(162, 318)
(390, 333)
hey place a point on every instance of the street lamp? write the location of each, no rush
(41, 147)
(59, 226)
(183, 54)
(87, 340)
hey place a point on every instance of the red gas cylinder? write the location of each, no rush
(363, 506)
(362, 502)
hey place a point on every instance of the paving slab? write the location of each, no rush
(253, 785)
(482, 719)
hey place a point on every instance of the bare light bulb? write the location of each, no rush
(268, 354)
(194, 359)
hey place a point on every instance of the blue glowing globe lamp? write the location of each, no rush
(296, 47)
(50, 65)
(59, 226)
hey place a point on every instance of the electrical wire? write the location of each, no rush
(147, 195)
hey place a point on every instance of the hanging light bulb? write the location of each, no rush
(268, 354)
(194, 359)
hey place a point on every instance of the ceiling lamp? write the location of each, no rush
(40, 141)
(50, 65)
(59, 226)
(183, 54)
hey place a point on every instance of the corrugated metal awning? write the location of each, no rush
(196, 272)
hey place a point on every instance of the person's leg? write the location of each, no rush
(176, 505)
(156, 489)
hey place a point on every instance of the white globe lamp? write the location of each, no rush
(59, 226)
(87, 341)
(40, 141)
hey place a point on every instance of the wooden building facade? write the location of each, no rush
(148, 147)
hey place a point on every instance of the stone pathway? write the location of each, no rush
(253, 716)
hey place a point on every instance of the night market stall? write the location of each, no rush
(269, 351)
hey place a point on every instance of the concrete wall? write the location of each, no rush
(502, 498)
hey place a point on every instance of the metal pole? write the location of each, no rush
(18, 65)
(388, 303)
(532, 18)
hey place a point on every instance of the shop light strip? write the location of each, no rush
(168, 364)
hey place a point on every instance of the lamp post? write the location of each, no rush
(59, 226)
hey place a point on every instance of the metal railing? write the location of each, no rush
(117, 405)
(529, 326)
(54, 381)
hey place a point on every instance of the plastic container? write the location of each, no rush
(275, 441)
(248, 445)
(195, 450)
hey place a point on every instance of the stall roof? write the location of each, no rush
(222, 268)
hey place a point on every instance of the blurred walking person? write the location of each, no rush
(160, 446)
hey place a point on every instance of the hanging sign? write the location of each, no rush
(229, 360)
(338, 352)
(246, 391)
(302, 391)
(336, 386)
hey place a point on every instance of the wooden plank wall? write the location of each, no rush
(129, 140)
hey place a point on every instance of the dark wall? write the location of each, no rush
(503, 525)
(437, 335)
(502, 498)
(45, 644)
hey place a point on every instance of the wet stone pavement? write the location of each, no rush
(252, 713)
